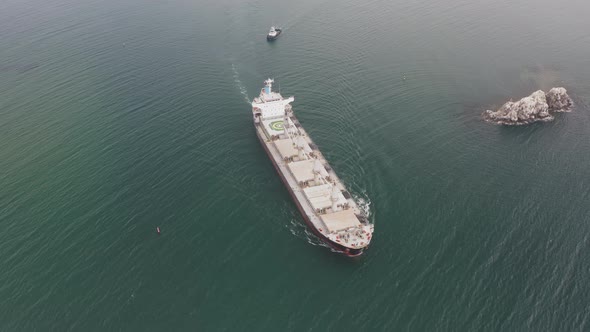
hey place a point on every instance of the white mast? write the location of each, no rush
(286, 126)
(335, 197)
(317, 171)
(300, 146)
(268, 85)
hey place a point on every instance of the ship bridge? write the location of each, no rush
(271, 109)
(270, 104)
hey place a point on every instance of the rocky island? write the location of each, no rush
(539, 106)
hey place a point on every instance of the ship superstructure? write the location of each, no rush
(273, 33)
(327, 207)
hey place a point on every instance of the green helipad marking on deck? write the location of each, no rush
(276, 125)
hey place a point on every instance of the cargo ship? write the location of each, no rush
(328, 208)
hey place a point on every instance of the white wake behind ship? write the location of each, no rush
(327, 207)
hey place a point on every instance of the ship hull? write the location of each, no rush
(336, 246)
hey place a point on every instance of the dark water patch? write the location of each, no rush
(134, 117)
(19, 68)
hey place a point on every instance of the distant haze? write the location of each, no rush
(117, 117)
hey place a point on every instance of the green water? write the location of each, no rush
(120, 116)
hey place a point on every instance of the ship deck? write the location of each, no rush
(342, 226)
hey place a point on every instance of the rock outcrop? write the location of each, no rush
(558, 100)
(536, 107)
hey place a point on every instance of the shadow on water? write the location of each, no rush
(515, 132)
(518, 83)
(339, 260)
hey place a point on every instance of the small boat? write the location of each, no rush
(273, 33)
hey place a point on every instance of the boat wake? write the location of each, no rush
(239, 84)
(364, 203)
(300, 230)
